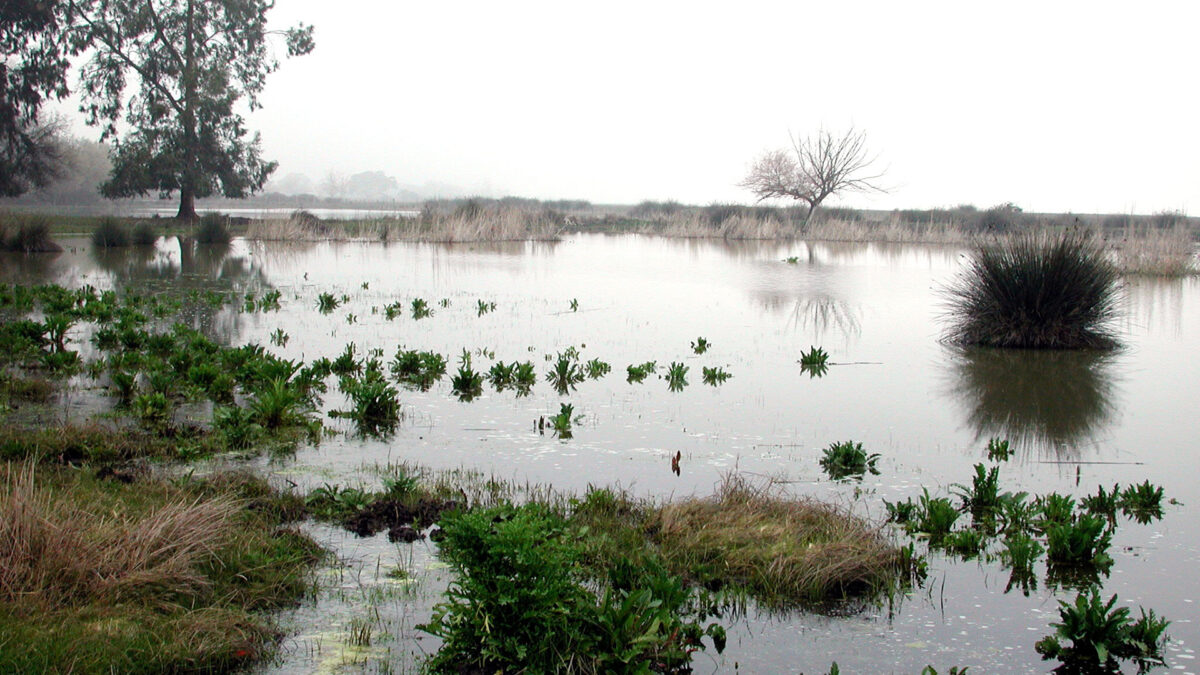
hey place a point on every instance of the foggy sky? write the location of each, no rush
(1066, 106)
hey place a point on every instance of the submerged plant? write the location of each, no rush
(327, 302)
(417, 369)
(700, 345)
(1040, 291)
(638, 373)
(714, 376)
(848, 459)
(676, 376)
(566, 371)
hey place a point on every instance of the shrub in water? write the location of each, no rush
(109, 233)
(1100, 633)
(144, 234)
(1036, 291)
(212, 230)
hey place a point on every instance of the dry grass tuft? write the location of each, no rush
(1155, 251)
(778, 546)
(55, 551)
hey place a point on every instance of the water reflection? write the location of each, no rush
(824, 313)
(1038, 400)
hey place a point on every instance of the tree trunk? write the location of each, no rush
(187, 205)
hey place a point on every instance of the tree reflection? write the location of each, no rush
(1035, 399)
(823, 313)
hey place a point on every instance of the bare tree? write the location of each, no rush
(817, 167)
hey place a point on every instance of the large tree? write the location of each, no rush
(817, 167)
(33, 67)
(193, 60)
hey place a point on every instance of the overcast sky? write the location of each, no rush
(1056, 106)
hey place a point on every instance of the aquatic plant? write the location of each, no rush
(278, 403)
(565, 373)
(998, 450)
(700, 345)
(346, 363)
(421, 309)
(814, 357)
(714, 376)
(109, 233)
(1100, 634)
(466, 383)
(212, 230)
(1020, 551)
(638, 373)
(376, 402)
(152, 408)
(848, 459)
(792, 260)
(574, 305)
(596, 369)
(483, 307)
(676, 376)
(417, 368)
(393, 310)
(982, 498)
(1103, 503)
(444, 302)
(279, 338)
(1039, 291)
(561, 423)
(1143, 502)
(1084, 540)
(237, 426)
(524, 377)
(501, 376)
(327, 302)
(1055, 509)
(32, 235)
(934, 516)
(967, 543)
(900, 512)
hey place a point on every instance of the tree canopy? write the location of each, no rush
(33, 67)
(193, 60)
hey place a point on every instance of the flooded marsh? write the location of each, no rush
(621, 343)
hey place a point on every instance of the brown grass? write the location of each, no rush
(488, 222)
(55, 551)
(778, 546)
(1156, 251)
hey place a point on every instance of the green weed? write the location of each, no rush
(700, 345)
(1100, 633)
(638, 373)
(714, 376)
(676, 376)
(848, 460)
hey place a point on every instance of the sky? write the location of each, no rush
(1054, 106)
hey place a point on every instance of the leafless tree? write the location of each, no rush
(818, 166)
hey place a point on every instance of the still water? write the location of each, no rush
(1077, 421)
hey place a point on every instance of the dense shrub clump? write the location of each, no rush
(1036, 292)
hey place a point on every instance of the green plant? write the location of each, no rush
(815, 362)
(237, 426)
(982, 499)
(109, 233)
(501, 376)
(421, 309)
(524, 377)
(376, 403)
(346, 363)
(1044, 291)
(1101, 633)
(792, 260)
(1084, 540)
(574, 305)
(278, 403)
(934, 516)
(998, 450)
(1020, 552)
(967, 543)
(327, 302)
(466, 383)
(596, 369)
(393, 310)
(482, 307)
(152, 408)
(700, 345)
(279, 338)
(638, 373)
(900, 512)
(561, 423)
(1143, 502)
(714, 376)
(417, 369)
(566, 372)
(848, 459)
(1103, 503)
(212, 230)
(676, 376)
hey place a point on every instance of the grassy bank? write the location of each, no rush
(103, 572)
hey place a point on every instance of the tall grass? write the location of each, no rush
(29, 234)
(483, 220)
(1044, 291)
(1154, 251)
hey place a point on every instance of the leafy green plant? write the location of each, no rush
(967, 543)
(1143, 502)
(1082, 541)
(466, 383)
(792, 260)
(1101, 633)
(278, 403)
(346, 363)
(421, 309)
(327, 302)
(561, 423)
(848, 460)
(566, 372)
(482, 307)
(279, 338)
(1020, 552)
(417, 368)
(815, 362)
(376, 402)
(524, 377)
(638, 373)
(900, 512)
(574, 305)
(700, 345)
(237, 426)
(393, 310)
(1041, 291)
(998, 450)
(501, 376)
(982, 498)
(596, 369)
(152, 408)
(676, 376)
(1055, 509)
(714, 376)
(1103, 503)
(934, 516)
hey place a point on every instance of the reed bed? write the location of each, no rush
(489, 222)
(1154, 251)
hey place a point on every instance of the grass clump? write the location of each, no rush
(1036, 292)
(30, 235)
(781, 549)
(100, 576)
(109, 233)
(212, 230)
(417, 369)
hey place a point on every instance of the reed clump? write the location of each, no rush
(780, 548)
(1036, 291)
(28, 234)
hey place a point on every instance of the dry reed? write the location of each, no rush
(489, 222)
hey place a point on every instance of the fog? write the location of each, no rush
(1084, 107)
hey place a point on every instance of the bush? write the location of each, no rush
(144, 234)
(110, 234)
(212, 230)
(1037, 292)
(32, 235)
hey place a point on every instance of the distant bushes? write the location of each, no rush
(1036, 291)
(27, 235)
